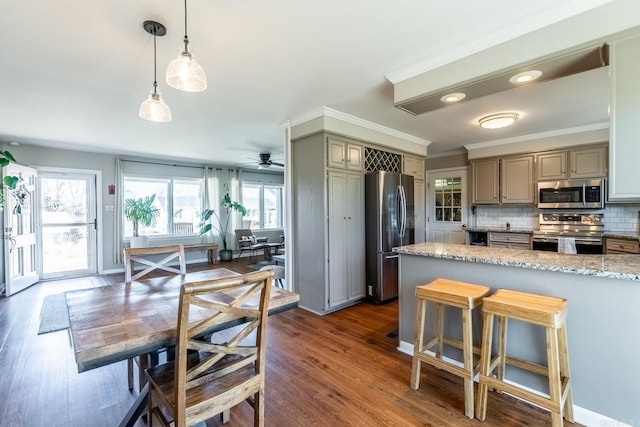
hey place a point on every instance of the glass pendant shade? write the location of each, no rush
(154, 109)
(184, 73)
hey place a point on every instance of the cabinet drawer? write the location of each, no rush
(509, 238)
(622, 246)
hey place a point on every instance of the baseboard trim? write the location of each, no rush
(581, 415)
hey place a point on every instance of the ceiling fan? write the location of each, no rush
(265, 161)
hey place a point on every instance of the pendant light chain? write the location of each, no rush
(155, 65)
(186, 38)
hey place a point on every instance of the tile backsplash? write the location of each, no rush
(616, 217)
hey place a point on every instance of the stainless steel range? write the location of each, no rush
(586, 229)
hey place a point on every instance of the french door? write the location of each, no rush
(19, 234)
(68, 224)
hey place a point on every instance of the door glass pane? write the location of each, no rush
(64, 201)
(64, 248)
(448, 194)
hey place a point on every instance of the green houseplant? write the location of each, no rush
(211, 221)
(8, 181)
(140, 211)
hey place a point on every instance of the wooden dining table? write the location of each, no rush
(115, 322)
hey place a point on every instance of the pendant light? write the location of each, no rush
(184, 72)
(154, 108)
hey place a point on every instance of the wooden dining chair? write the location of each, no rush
(152, 258)
(210, 377)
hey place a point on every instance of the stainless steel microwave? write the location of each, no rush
(583, 193)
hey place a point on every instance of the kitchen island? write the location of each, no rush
(603, 324)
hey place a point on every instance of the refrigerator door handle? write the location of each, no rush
(403, 211)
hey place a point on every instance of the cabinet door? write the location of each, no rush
(485, 181)
(588, 162)
(625, 123)
(338, 228)
(355, 236)
(336, 153)
(517, 185)
(355, 159)
(551, 166)
(413, 166)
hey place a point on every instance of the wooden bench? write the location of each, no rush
(212, 249)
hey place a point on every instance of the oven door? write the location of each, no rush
(583, 245)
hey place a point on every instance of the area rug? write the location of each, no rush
(54, 315)
(257, 266)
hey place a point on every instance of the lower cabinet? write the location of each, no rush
(510, 240)
(346, 237)
(619, 245)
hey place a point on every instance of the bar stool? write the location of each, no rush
(548, 312)
(465, 296)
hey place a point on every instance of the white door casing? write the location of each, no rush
(447, 208)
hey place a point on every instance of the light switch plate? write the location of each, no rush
(109, 208)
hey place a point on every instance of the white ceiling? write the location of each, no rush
(74, 72)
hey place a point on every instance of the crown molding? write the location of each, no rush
(447, 153)
(532, 137)
(348, 118)
(560, 13)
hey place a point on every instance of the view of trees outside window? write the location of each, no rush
(264, 205)
(179, 202)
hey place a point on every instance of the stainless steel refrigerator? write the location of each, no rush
(389, 223)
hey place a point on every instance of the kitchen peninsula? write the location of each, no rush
(603, 292)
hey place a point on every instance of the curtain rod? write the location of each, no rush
(162, 164)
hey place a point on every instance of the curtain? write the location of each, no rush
(117, 214)
(236, 194)
(213, 197)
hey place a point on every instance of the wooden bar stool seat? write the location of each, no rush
(443, 292)
(546, 311)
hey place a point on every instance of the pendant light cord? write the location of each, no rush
(186, 38)
(155, 79)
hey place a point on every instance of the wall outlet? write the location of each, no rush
(109, 208)
(370, 290)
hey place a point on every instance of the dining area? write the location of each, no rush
(136, 319)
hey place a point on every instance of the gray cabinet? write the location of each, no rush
(328, 227)
(584, 162)
(516, 180)
(344, 154)
(510, 240)
(503, 180)
(414, 166)
(485, 180)
(346, 237)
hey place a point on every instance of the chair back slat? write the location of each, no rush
(204, 307)
(148, 257)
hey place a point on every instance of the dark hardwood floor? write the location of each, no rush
(339, 369)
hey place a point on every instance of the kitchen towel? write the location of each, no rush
(567, 245)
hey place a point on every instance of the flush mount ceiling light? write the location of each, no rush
(525, 77)
(153, 108)
(184, 72)
(451, 98)
(497, 121)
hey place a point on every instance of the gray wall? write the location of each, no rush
(452, 161)
(602, 325)
(37, 156)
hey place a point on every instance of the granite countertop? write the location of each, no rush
(499, 230)
(624, 267)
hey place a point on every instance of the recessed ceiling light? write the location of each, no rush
(525, 77)
(453, 97)
(497, 121)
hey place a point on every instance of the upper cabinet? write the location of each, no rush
(345, 155)
(503, 180)
(413, 166)
(584, 162)
(485, 176)
(625, 120)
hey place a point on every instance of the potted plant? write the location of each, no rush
(216, 224)
(140, 211)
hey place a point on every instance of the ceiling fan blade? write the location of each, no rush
(278, 164)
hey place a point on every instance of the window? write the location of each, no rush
(179, 202)
(264, 206)
(448, 201)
